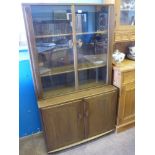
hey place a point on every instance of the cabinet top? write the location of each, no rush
(75, 96)
(126, 65)
(26, 4)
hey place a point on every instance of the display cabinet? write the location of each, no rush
(70, 46)
(125, 20)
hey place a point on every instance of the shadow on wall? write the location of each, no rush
(29, 117)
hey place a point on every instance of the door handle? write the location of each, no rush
(79, 116)
(86, 113)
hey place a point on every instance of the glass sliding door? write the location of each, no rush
(54, 46)
(91, 44)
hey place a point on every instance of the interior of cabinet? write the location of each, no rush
(71, 46)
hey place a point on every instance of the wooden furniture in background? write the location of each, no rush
(124, 79)
(124, 21)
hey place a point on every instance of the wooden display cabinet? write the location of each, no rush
(124, 20)
(70, 48)
(124, 79)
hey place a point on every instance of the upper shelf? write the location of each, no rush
(68, 34)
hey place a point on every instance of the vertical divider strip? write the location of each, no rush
(110, 43)
(74, 47)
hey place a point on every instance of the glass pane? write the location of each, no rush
(127, 12)
(53, 32)
(92, 44)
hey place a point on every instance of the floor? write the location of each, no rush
(112, 144)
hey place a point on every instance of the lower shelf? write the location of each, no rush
(65, 90)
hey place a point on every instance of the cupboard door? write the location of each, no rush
(101, 113)
(63, 124)
(127, 103)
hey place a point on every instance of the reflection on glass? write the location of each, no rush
(58, 84)
(92, 77)
(92, 43)
(91, 19)
(127, 14)
(53, 32)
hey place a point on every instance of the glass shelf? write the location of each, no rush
(70, 68)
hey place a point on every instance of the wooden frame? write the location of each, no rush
(32, 45)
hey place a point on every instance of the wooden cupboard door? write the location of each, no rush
(127, 103)
(101, 113)
(63, 124)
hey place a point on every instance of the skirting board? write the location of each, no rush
(125, 126)
(83, 141)
(25, 138)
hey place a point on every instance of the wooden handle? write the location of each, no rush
(86, 114)
(79, 116)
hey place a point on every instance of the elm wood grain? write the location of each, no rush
(67, 90)
(76, 121)
(32, 49)
(75, 95)
(63, 124)
(100, 113)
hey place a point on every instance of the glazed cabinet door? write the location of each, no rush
(127, 103)
(63, 124)
(101, 113)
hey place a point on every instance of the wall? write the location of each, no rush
(29, 117)
(29, 120)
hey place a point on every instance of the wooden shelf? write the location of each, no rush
(69, 68)
(67, 90)
(97, 32)
(52, 35)
(68, 34)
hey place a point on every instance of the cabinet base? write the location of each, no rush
(125, 126)
(83, 141)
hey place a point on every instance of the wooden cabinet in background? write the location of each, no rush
(124, 79)
(124, 21)
(76, 118)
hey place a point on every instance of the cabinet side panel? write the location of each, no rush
(32, 49)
